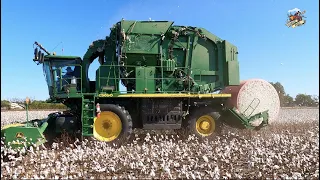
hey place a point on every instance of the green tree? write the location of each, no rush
(288, 101)
(278, 86)
(316, 100)
(5, 104)
(283, 97)
(48, 100)
(305, 100)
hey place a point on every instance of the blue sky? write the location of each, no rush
(267, 48)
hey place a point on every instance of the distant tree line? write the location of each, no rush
(33, 104)
(304, 100)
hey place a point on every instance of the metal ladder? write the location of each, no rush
(88, 114)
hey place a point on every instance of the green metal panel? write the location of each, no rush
(205, 56)
(145, 79)
(142, 59)
(143, 44)
(231, 70)
(143, 37)
(16, 135)
(145, 27)
(180, 49)
(233, 73)
(205, 61)
(209, 35)
(150, 81)
(140, 85)
(231, 51)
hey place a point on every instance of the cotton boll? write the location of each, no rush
(203, 159)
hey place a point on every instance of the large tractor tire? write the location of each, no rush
(114, 125)
(204, 123)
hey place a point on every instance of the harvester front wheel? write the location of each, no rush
(114, 124)
(204, 124)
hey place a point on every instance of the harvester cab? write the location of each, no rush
(65, 73)
(63, 77)
(62, 73)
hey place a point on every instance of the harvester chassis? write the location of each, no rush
(172, 75)
(153, 114)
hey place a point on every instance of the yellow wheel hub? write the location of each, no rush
(205, 125)
(107, 127)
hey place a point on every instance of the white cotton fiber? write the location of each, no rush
(254, 90)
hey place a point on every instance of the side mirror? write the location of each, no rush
(41, 58)
(39, 55)
(36, 53)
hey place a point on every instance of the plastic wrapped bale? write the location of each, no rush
(257, 93)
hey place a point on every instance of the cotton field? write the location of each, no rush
(288, 149)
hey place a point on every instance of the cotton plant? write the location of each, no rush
(277, 152)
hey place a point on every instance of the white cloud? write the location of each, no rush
(294, 10)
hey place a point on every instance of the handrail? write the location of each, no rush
(188, 74)
(116, 78)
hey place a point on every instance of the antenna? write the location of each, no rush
(62, 48)
(56, 46)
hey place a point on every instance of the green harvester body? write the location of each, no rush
(168, 72)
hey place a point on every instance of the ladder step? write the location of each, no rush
(87, 126)
(87, 100)
(88, 114)
(88, 117)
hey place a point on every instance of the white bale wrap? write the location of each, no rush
(251, 91)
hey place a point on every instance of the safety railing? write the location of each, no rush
(185, 75)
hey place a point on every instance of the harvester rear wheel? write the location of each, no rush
(204, 123)
(114, 124)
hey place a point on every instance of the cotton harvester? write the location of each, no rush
(176, 77)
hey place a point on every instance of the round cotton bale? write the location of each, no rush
(257, 93)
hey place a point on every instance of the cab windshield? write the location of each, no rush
(59, 73)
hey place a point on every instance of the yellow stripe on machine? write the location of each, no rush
(12, 125)
(175, 95)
